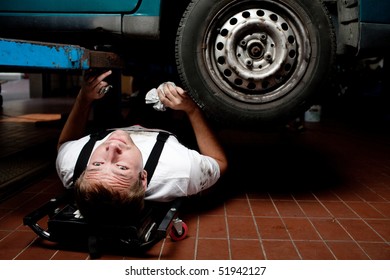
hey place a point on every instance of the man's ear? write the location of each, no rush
(144, 178)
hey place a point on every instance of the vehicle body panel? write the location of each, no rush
(375, 11)
(138, 18)
(374, 33)
(69, 6)
(28, 7)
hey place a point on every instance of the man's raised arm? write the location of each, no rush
(177, 99)
(92, 89)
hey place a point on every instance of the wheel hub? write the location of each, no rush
(255, 53)
(256, 50)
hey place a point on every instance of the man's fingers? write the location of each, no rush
(104, 75)
(94, 80)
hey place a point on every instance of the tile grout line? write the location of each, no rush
(370, 189)
(55, 253)
(257, 228)
(161, 249)
(25, 248)
(9, 233)
(316, 230)
(376, 209)
(338, 222)
(285, 226)
(227, 231)
(196, 237)
(363, 219)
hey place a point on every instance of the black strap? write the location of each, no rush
(152, 161)
(86, 151)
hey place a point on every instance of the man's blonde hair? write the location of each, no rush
(100, 203)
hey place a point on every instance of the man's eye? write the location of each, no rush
(96, 163)
(121, 167)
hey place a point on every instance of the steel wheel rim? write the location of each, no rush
(257, 55)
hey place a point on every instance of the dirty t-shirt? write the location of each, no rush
(180, 171)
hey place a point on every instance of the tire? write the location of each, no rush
(252, 62)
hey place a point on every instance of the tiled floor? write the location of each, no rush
(321, 194)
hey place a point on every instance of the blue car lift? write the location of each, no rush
(30, 54)
(20, 54)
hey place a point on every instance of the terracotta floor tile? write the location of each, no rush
(280, 250)
(360, 231)
(376, 251)
(288, 209)
(38, 187)
(246, 249)
(15, 201)
(216, 210)
(4, 233)
(281, 196)
(263, 208)
(365, 210)
(242, 227)
(258, 195)
(212, 249)
(180, 250)
(36, 201)
(4, 212)
(212, 227)
(13, 220)
(14, 243)
(314, 209)
(304, 196)
(347, 251)
(381, 227)
(382, 207)
(346, 193)
(326, 195)
(330, 229)
(339, 209)
(314, 250)
(70, 255)
(369, 195)
(110, 257)
(35, 252)
(237, 207)
(272, 228)
(383, 190)
(301, 229)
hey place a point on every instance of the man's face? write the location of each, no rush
(117, 161)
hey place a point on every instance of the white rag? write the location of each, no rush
(152, 97)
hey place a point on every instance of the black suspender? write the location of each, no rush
(152, 161)
(86, 151)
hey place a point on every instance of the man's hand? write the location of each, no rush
(176, 98)
(93, 86)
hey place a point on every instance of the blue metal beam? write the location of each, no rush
(30, 54)
(16, 53)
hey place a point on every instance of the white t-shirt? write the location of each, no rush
(180, 171)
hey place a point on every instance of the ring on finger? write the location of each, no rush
(104, 90)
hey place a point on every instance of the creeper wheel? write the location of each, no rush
(179, 230)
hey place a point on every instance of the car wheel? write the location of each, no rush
(248, 62)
